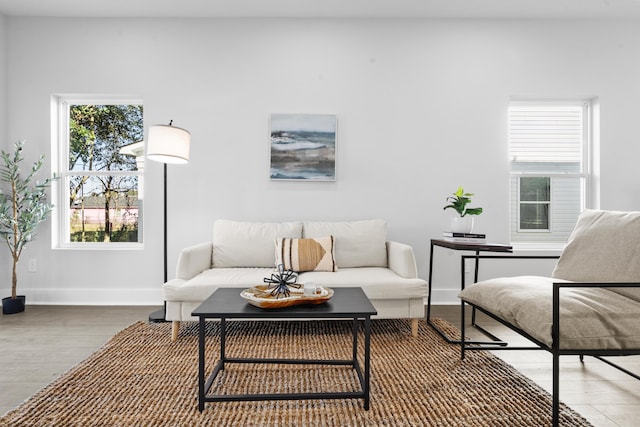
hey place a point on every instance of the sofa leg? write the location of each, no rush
(414, 327)
(175, 328)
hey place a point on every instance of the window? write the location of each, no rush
(99, 155)
(535, 202)
(549, 151)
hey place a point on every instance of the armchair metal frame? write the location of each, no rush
(555, 349)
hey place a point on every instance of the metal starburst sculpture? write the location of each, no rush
(280, 282)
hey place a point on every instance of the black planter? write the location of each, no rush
(13, 306)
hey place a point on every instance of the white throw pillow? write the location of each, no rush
(603, 247)
(249, 244)
(358, 243)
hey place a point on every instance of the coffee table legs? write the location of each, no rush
(205, 384)
(201, 390)
(367, 364)
(364, 379)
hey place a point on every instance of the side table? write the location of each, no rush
(463, 246)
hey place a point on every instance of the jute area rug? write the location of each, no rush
(141, 378)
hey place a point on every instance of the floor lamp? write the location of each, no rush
(167, 144)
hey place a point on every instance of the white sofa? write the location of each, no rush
(242, 254)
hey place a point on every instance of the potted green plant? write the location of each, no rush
(23, 206)
(459, 201)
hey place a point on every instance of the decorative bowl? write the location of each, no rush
(260, 296)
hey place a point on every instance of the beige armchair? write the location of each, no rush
(589, 306)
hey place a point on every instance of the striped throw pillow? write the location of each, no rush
(317, 254)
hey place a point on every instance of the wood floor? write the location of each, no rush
(42, 343)
(602, 394)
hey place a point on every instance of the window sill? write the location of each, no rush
(100, 246)
(538, 248)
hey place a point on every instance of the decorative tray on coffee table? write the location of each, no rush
(260, 296)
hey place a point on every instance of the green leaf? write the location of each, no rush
(459, 201)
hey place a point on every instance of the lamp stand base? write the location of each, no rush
(157, 316)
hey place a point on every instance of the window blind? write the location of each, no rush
(545, 134)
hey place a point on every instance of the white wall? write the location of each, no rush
(4, 254)
(421, 109)
(3, 82)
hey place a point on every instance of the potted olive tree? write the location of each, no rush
(463, 222)
(23, 205)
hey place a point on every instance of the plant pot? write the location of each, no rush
(462, 224)
(13, 306)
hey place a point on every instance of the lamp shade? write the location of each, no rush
(168, 144)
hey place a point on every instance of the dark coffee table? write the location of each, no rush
(226, 303)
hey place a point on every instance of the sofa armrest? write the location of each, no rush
(401, 260)
(194, 260)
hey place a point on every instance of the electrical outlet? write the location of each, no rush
(469, 265)
(33, 265)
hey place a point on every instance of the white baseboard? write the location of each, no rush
(445, 296)
(151, 297)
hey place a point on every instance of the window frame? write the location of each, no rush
(588, 190)
(61, 214)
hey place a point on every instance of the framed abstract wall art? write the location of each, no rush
(303, 147)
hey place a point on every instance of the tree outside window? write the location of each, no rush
(101, 185)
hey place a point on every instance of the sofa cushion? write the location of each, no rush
(357, 243)
(315, 254)
(590, 318)
(248, 244)
(376, 282)
(201, 286)
(603, 247)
